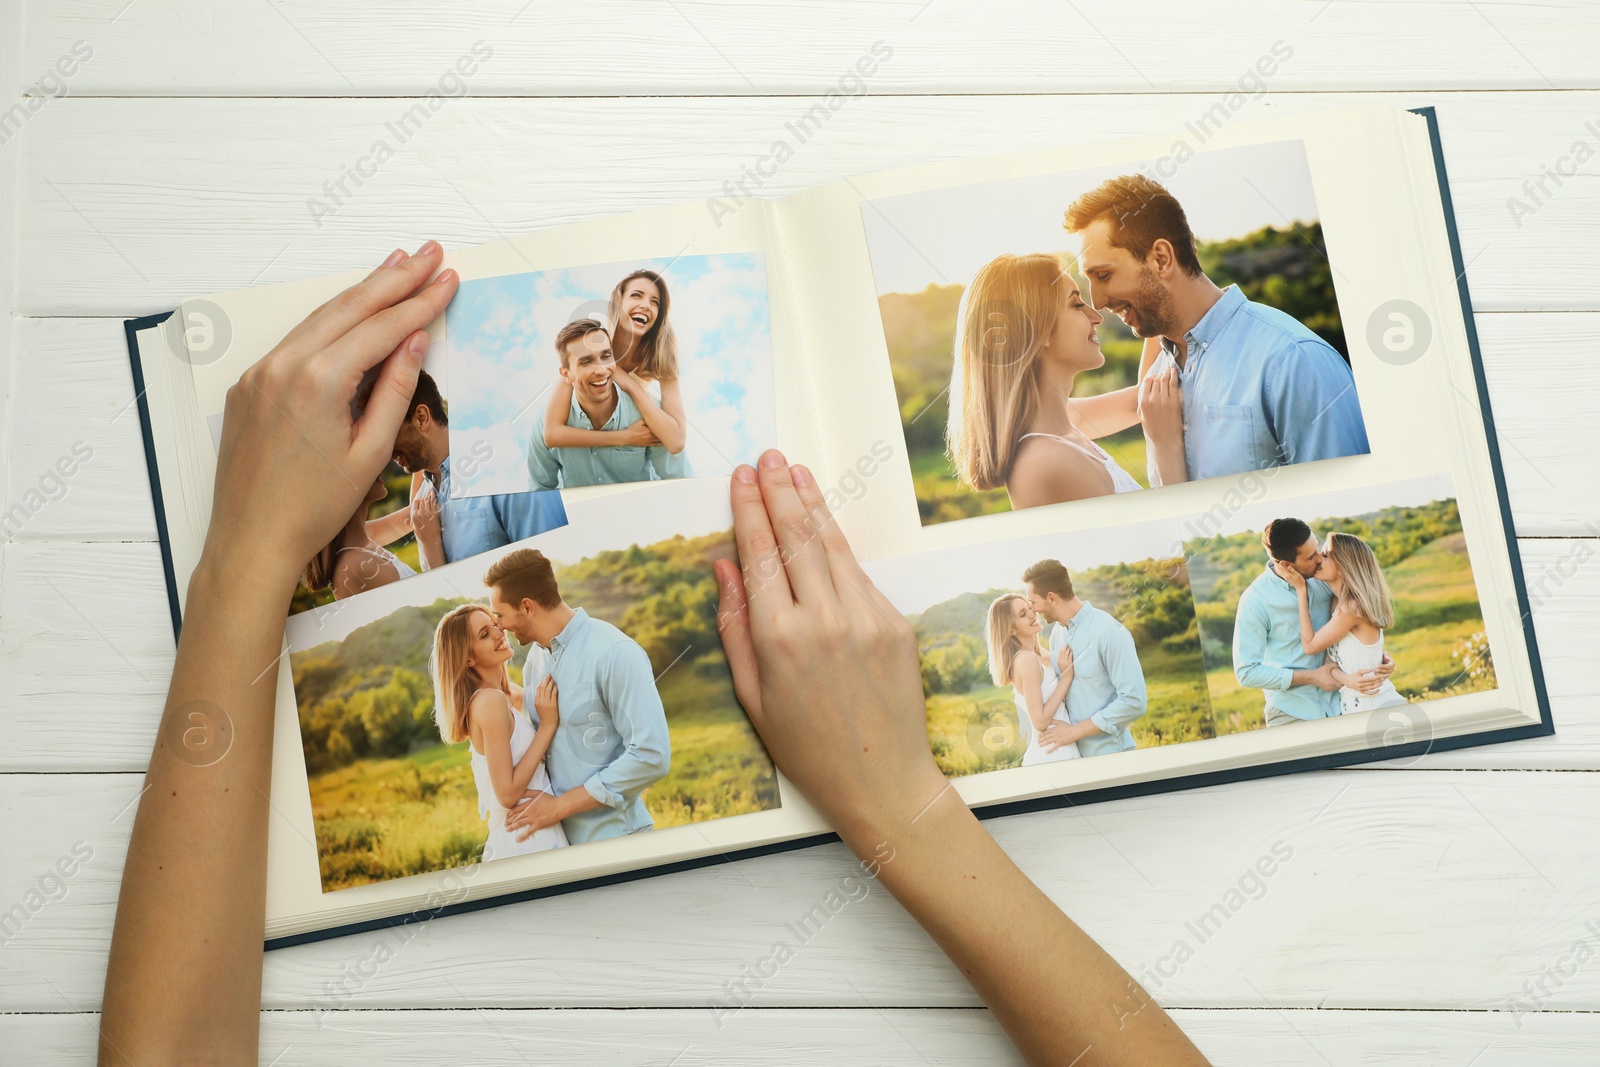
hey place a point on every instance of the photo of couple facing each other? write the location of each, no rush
(616, 412)
(447, 526)
(1077, 694)
(1309, 628)
(565, 757)
(1225, 384)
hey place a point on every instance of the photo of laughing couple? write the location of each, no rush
(613, 373)
(1189, 329)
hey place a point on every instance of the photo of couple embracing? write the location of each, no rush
(563, 757)
(1146, 356)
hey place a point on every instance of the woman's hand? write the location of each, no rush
(546, 703)
(294, 463)
(1064, 666)
(1287, 572)
(1161, 406)
(826, 667)
(627, 381)
(427, 525)
(639, 434)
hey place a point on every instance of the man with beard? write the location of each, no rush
(468, 525)
(1259, 389)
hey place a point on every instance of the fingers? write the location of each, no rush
(802, 557)
(387, 327)
(766, 586)
(733, 625)
(383, 288)
(390, 402)
(842, 565)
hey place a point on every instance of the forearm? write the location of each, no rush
(1171, 463)
(1055, 992)
(1106, 414)
(391, 527)
(1308, 633)
(666, 425)
(1304, 677)
(564, 436)
(190, 917)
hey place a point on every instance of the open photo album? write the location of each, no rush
(1177, 458)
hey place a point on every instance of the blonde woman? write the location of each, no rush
(474, 701)
(646, 349)
(1012, 631)
(1362, 609)
(1024, 334)
(357, 560)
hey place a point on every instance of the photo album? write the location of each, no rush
(1178, 461)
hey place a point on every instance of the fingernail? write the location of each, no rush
(419, 345)
(395, 257)
(772, 458)
(428, 248)
(445, 277)
(744, 473)
(801, 476)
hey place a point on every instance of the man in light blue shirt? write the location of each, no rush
(1267, 650)
(468, 525)
(588, 365)
(1108, 688)
(1259, 389)
(612, 743)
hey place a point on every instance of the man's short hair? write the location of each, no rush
(573, 331)
(1283, 538)
(524, 574)
(1049, 576)
(426, 393)
(1141, 212)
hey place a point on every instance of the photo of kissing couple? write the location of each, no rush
(611, 373)
(1144, 356)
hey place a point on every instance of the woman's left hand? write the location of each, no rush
(294, 462)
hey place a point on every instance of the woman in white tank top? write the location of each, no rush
(1023, 335)
(1040, 694)
(1362, 609)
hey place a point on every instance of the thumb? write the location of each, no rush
(391, 397)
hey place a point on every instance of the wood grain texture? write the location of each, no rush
(181, 197)
(1424, 907)
(695, 47)
(1393, 894)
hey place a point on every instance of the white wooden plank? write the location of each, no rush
(73, 388)
(131, 205)
(300, 48)
(873, 1037)
(1392, 890)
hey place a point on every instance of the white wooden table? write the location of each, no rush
(1432, 913)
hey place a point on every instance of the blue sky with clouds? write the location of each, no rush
(500, 337)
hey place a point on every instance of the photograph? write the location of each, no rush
(1064, 336)
(639, 371)
(415, 515)
(1337, 604)
(571, 688)
(1053, 648)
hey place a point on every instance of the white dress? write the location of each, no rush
(1354, 655)
(503, 843)
(1035, 753)
(1121, 480)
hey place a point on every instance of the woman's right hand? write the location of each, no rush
(1161, 406)
(1064, 666)
(639, 434)
(1296, 580)
(800, 611)
(546, 703)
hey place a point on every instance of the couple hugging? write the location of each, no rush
(565, 757)
(1078, 699)
(1225, 385)
(1309, 629)
(616, 411)
(448, 527)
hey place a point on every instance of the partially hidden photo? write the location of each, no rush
(644, 370)
(564, 690)
(1072, 335)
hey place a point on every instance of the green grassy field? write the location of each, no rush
(388, 818)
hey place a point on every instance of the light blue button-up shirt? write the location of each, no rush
(1261, 390)
(551, 468)
(613, 738)
(469, 525)
(1267, 649)
(1107, 681)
